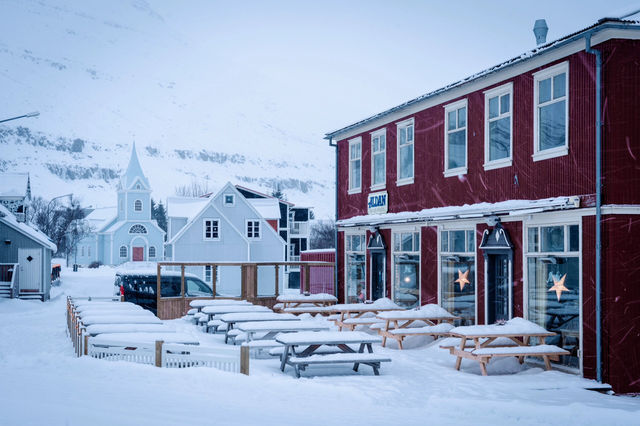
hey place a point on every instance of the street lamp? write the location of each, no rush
(31, 114)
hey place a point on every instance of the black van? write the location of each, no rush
(140, 287)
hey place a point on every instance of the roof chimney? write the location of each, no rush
(540, 30)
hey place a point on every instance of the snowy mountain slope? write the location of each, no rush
(105, 74)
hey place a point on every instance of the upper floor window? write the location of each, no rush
(355, 165)
(137, 229)
(211, 229)
(137, 205)
(152, 251)
(229, 199)
(551, 112)
(498, 104)
(455, 138)
(123, 251)
(253, 229)
(405, 152)
(378, 159)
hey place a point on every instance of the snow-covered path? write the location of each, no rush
(43, 383)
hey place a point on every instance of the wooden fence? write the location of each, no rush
(176, 307)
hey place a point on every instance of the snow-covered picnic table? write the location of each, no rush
(111, 306)
(338, 340)
(119, 319)
(271, 328)
(240, 317)
(96, 329)
(398, 324)
(299, 301)
(221, 310)
(515, 334)
(353, 314)
(116, 312)
(147, 339)
(201, 303)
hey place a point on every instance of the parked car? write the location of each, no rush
(139, 287)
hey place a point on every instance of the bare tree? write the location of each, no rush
(323, 234)
(194, 189)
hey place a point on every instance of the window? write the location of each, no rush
(457, 274)
(551, 124)
(82, 251)
(498, 104)
(356, 288)
(195, 288)
(229, 199)
(406, 271)
(455, 138)
(207, 274)
(152, 251)
(355, 165)
(123, 251)
(138, 186)
(211, 229)
(137, 206)
(405, 152)
(553, 285)
(137, 229)
(88, 250)
(253, 229)
(378, 159)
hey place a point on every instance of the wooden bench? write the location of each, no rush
(547, 352)
(351, 323)
(312, 310)
(373, 360)
(436, 331)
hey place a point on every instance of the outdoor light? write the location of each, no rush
(7, 242)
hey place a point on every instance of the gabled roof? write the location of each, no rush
(14, 184)
(9, 219)
(185, 207)
(133, 173)
(269, 208)
(261, 194)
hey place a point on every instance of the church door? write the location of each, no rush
(138, 254)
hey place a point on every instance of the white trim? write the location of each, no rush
(126, 256)
(347, 234)
(505, 89)
(377, 134)
(410, 122)
(355, 189)
(405, 230)
(550, 72)
(621, 209)
(204, 229)
(224, 200)
(455, 106)
(246, 229)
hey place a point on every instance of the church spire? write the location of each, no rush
(134, 172)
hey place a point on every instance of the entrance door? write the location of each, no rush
(377, 274)
(138, 254)
(498, 287)
(30, 261)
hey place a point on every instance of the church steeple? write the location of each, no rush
(134, 173)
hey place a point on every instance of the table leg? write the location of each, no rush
(285, 357)
(463, 342)
(386, 329)
(483, 368)
(547, 362)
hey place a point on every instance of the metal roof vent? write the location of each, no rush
(540, 30)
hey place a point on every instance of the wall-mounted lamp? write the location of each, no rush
(7, 242)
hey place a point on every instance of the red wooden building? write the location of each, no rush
(483, 197)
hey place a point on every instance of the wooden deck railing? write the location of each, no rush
(9, 275)
(175, 307)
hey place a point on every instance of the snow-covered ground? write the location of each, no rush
(42, 383)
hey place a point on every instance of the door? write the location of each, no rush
(498, 282)
(138, 254)
(30, 261)
(377, 274)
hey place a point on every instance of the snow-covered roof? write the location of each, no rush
(13, 184)
(187, 207)
(269, 208)
(261, 194)
(10, 220)
(467, 211)
(600, 25)
(101, 215)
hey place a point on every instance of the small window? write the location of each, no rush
(378, 159)
(551, 112)
(498, 104)
(152, 251)
(123, 251)
(211, 229)
(137, 229)
(137, 206)
(82, 251)
(207, 274)
(138, 186)
(253, 229)
(405, 152)
(355, 165)
(88, 250)
(455, 139)
(229, 199)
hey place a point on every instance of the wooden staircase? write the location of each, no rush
(5, 290)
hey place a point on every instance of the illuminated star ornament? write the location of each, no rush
(463, 278)
(558, 286)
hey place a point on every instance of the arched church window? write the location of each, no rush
(137, 206)
(123, 251)
(137, 229)
(152, 251)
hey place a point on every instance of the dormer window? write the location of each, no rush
(137, 206)
(138, 186)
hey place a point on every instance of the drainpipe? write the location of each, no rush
(335, 230)
(598, 55)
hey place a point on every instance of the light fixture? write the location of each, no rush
(7, 242)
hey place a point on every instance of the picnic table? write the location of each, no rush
(510, 339)
(96, 329)
(271, 328)
(353, 314)
(337, 340)
(201, 303)
(119, 319)
(400, 324)
(116, 339)
(298, 302)
(240, 317)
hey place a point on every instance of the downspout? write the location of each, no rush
(598, 55)
(335, 228)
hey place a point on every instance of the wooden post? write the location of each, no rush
(244, 359)
(159, 344)
(182, 281)
(307, 287)
(158, 290)
(277, 278)
(86, 344)
(214, 278)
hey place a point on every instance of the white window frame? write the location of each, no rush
(354, 189)
(135, 206)
(204, 229)
(155, 252)
(447, 109)
(506, 89)
(400, 125)
(347, 251)
(406, 230)
(233, 200)
(207, 269)
(377, 134)
(126, 252)
(537, 77)
(254, 222)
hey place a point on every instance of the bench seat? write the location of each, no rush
(373, 360)
(454, 342)
(321, 350)
(521, 351)
(440, 329)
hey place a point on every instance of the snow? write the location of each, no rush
(419, 386)
(185, 207)
(319, 297)
(256, 316)
(119, 319)
(382, 303)
(8, 218)
(128, 328)
(439, 328)
(13, 184)
(215, 310)
(426, 311)
(520, 349)
(515, 326)
(200, 303)
(143, 338)
(284, 325)
(327, 337)
(269, 208)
